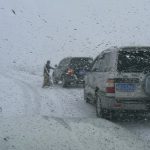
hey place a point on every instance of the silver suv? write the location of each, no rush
(119, 80)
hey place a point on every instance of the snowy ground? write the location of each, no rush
(36, 118)
(23, 91)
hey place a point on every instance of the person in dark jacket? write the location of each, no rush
(46, 74)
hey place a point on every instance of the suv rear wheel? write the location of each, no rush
(101, 112)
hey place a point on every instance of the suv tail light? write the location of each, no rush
(110, 87)
(70, 72)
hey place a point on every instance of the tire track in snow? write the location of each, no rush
(72, 103)
(48, 101)
(31, 97)
(55, 101)
(52, 99)
(34, 97)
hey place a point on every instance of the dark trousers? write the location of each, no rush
(46, 81)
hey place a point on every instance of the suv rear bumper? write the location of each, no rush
(73, 79)
(129, 104)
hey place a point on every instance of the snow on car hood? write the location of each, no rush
(50, 133)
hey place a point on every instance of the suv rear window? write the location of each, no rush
(134, 60)
(84, 63)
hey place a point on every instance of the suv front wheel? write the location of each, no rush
(64, 83)
(85, 95)
(99, 110)
(54, 79)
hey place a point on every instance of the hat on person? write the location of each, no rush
(48, 62)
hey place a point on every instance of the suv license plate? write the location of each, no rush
(125, 87)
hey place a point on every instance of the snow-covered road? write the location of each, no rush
(22, 95)
(34, 100)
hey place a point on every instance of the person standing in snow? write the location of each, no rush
(46, 74)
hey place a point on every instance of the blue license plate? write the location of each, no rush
(125, 87)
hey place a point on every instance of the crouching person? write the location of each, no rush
(46, 74)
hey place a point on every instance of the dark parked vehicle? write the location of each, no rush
(71, 70)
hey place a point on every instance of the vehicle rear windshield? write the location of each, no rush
(81, 63)
(134, 60)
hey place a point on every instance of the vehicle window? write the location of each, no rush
(93, 63)
(61, 64)
(64, 63)
(96, 64)
(134, 60)
(84, 63)
(105, 64)
(102, 64)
